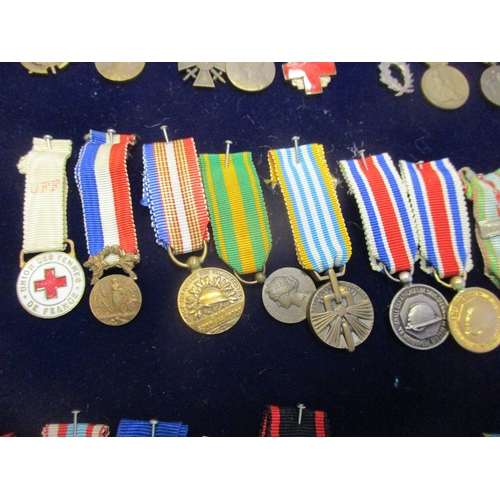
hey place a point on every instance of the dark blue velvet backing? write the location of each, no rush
(156, 367)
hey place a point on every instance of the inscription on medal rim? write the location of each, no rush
(50, 285)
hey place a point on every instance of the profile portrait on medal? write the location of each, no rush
(479, 318)
(284, 291)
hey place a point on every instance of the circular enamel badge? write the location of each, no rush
(50, 285)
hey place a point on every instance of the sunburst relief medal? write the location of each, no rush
(210, 300)
(339, 312)
(102, 179)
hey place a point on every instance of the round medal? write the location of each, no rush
(490, 84)
(251, 76)
(50, 284)
(43, 67)
(286, 294)
(343, 325)
(445, 86)
(474, 319)
(211, 301)
(418, 317)
(115, 300)
(119, 71)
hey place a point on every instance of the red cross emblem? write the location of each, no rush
(50, 284)
(309, 74)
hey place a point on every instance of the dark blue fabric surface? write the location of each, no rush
(156, 367)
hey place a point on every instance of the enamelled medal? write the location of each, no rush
(340, 313)
(417, 312)
(101, 175)
(210, 300)
(51, 283)
(237, 212)
(438, 203)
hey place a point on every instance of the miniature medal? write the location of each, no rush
(438, 204)
(484, 192)
(417, 312)
(43, 67)
(252, 76)
(311, 77)
(490, 83)
(205, 74)
(339, 313)
(210, 300)
(238, 213)
(102, 179)
(52, 283)
(445, 86)
(393, 83)
(119, 71)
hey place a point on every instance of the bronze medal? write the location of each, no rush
(445, 86)
(211, 301)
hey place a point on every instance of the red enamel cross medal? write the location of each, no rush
(309, 76)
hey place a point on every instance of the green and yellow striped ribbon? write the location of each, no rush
(484, 191)
(237, 211)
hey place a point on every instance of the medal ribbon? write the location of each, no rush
(319, 231)
(484, 191)
(237, 211)
(45, 196)
(142, 428)
(438, 204)
(82, 430)
(283, 422)
(101, 175)
(385, 212)
(173, 190)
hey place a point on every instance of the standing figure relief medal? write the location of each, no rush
(51, 283)
(102, 179)
(339, 313)
(417, 312)
(237, 212)
(210, 300)
(438, 203)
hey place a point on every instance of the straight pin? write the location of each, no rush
(301, 407)
(228, 145)
(75, 421)
(164, 128)
(48, 138)
(153, 423)
(362, 154)
(110, 133)
(295, 139)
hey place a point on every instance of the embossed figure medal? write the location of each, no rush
(211, 300)
(445, 86)
(417, 312)
(490, 83)
(339, 313)
(237, 213)
(438, 204)
(51, 283)
(102, 179)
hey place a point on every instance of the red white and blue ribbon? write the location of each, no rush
(142, 428)
(173, 191)
(438, 203)
(82, 430)
(385, 212)
(101, 175)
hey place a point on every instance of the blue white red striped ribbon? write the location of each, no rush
(173, 191)
(385, 212)
(102, 179)
(142, 428)
(318, 227)
(438, 203)
(82, 430)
